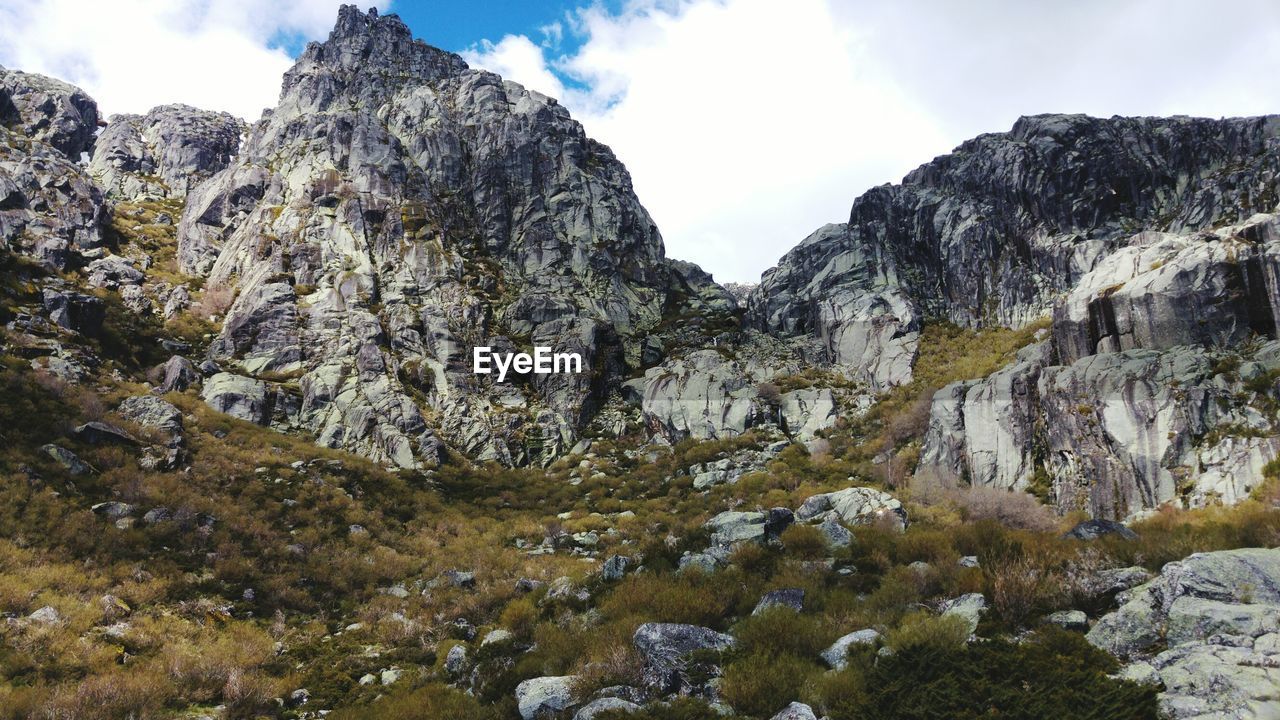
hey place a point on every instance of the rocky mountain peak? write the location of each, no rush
(367, 56)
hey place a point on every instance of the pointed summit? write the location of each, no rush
(367, 57)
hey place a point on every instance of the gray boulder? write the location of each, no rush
(665, 648)
(151, 411)
(855, 506)
(1096, 528)
(165, 153)
(544, 697)
(100, 433)
(795, 711)
(51, 111)
(969, 608)
(837, 656)
(1212, 622)
(792, 598)
(75, 311)
(177, 374)
(239, 396)
(67, 459)
(600, 705)
(113, 272)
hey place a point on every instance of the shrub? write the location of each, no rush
(1010, 508)
(432, 702)
(925, 630)
(1053, 673)
(804, 541)
(763, 683)
(778, 630)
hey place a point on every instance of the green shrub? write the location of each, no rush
(763, 683)
(779, 630)
(925, 630)
(1051, 674)
(805, 542)
(432, 702)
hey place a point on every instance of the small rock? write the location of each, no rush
(600, 705)
(837, 656)
(498, 635)
(1096, 528)
(100, 433)
(67, 459)
(795, 711)
(1069, 619)
(456, 659)
(614, 568)
(390, 675)
(969, 607)
(46, 615)
(298, 697)
(792, 598)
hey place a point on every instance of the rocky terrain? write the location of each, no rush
(1006, 438)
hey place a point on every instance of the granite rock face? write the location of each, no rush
(994, 231)
(51, 111)
(397, 210)
(50, 210)
(1208, 629)
(165, 153)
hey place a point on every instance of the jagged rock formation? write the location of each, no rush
(994, 231)
(164, 153)
(56, 113)
(397, 209)
(49, 209)
(1208, 630)
(1175, 406)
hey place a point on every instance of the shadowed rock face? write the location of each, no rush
(996, 230)
(51, 111)
(164, 153)
(49, 208)
(397, 209)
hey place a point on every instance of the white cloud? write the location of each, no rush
(132, 55)
(746, 124)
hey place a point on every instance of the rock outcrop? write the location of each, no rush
(397, 210)
(51, 111)
(1208, 630)
(164, 153)
(50, 209)
(994, 231)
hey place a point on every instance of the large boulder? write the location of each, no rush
(240, 397)
(605, 704)
(51, 111)
(164, 153)
(666, 648)
(855, 506)
(837, 655)
(1208, 630)
(795, 711)
(78, 312)
(544, 697)
(153, 412)
(732, 527)
(703, 395)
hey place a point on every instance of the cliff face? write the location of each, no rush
(994, 232)
(398, 208)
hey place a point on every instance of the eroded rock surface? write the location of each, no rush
(1208, 629)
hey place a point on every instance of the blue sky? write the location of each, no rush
(745, 124)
